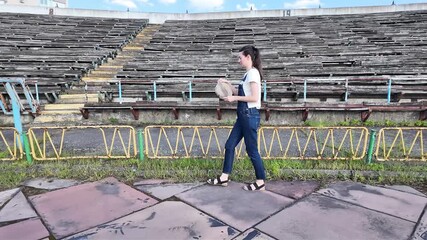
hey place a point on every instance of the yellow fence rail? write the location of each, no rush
(10, 144)
(185, 141)
(401, 144)
(313, 143)
(55, 143)
(118, 142)
(273, 142)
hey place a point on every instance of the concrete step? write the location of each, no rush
(63, 107)
(58, 118)
(77, 101)
(109, 68)
(60, 112)
(141, 39)
(102, 75)
(81, 90)
(118, 62)
(94, 84)
(135, 48)
(121, 57)
(94, 79)
(77, 98)
(103, 71)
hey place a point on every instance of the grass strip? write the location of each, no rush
(14, 173)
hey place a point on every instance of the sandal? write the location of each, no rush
(217, 181)
(254, 187)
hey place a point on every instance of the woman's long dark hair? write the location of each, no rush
(255, 56)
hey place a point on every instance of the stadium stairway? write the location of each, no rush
(67, 107)
(107, 72)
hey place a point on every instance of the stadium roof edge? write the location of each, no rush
(157, 18)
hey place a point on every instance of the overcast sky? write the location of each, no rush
(192, 6)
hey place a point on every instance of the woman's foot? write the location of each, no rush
(218, 181)
(256, 186)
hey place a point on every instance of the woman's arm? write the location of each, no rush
(252, 98)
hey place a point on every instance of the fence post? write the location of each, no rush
(120, 92)
(371, 146)
(155, 90)
(27, 147)
(141, 145)
(305, 90)
(37, 93)
(265, 90)
(346, 90)
(389, 92)
(190, 90)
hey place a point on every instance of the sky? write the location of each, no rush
(196, 6)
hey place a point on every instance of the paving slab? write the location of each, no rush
(152, 182)
(253, 234)
(164, 191)
(324, 218)
(75, 209)
(25, 230)
(377, 198)
(50, 184)
(157, 222)
(7, 195)
(406, 189)
(294, 189)
(16, 209)
(420, 232)
(236, 207)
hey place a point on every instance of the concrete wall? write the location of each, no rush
(24, 2)
(48, 3)
(161, 17)
(204, 117)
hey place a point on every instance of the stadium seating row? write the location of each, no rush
(56, 51)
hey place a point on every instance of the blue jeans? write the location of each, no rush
(246, 126)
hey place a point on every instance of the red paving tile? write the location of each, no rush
(25, 230)
(294, 189)
(75, 209)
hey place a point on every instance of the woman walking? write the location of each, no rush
(248, 97)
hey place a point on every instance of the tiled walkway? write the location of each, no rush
(152, 209)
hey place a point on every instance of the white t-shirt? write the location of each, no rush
(252, 76)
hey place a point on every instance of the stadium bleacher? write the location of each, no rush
(56, 51)
(340, 62)
(357, 62)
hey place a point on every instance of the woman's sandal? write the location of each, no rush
(254, 187)
(217, 181)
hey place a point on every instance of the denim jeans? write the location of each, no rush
(246, 126)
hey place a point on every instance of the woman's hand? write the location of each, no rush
(230, 99)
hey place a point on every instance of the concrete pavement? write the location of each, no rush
(154, 209)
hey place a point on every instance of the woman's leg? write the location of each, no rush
(230, 146)
(250, 135)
